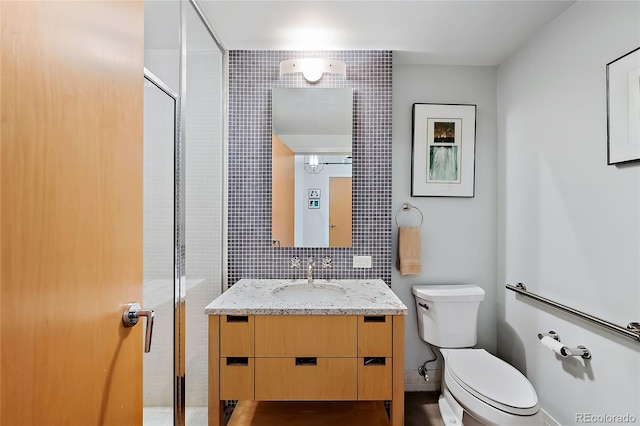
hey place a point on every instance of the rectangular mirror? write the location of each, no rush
(311, 167)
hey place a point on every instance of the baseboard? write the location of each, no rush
(414, 382)
(547, 420)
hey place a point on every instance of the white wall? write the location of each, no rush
(458, 234)
(569, 225)
(165, 65)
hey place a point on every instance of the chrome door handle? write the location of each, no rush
(132, 314)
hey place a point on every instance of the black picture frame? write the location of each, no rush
(443, 150)
(623, 102)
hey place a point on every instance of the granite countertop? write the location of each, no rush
(297, 297)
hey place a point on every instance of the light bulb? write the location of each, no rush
(312, 69)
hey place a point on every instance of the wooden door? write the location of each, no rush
(71, 212)
(282, 193)
(340, 203)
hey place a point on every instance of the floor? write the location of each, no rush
(163, 416)
(420, 409)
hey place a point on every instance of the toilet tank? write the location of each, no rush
(448, 314)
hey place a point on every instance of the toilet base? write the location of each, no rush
(450, 411)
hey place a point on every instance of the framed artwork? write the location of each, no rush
(443, 150)
(314, 193)
(623, 109)
(314, 203)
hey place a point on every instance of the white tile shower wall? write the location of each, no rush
(158, 243)
(252, 75)
(203, 204)
(159, 377)
(203, 231)
(165, 65)
(158, 184)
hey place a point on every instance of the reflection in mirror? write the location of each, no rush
(311, 167)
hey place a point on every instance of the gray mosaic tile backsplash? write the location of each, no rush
(252, 75)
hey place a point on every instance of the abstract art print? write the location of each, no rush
(623, 109)
(443, 150)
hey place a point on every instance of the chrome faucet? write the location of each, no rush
(310, 262)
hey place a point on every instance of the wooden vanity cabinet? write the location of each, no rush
(306, 379)
(306, 358)
(237, 335)
(375, 344)
(306, 336)
(237, 359)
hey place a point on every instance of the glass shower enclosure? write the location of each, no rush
(183, 206)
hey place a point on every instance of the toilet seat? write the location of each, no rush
(492, 380)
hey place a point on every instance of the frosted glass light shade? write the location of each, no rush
(313, 68)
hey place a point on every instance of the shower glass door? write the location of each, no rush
(158, 250)
(204, 159)
(183, 206)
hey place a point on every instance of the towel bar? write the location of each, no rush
(405, 207)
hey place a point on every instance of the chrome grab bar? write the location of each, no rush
(632, 330)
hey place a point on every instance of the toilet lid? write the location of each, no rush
(492, 380)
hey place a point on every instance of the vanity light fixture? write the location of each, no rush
(312, 164)
(313, 68)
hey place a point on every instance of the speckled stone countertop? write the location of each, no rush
(297, 297)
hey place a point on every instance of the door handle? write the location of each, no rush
(132, 314)
(332, 225)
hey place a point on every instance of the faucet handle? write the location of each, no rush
(295, 262)
(326, 262)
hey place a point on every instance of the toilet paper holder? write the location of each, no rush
(565, 351)
(551, 334)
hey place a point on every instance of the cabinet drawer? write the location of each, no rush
(374, 379)
(306, 335)
(326, 379)
(374, 335)
(236, 378)
(237, 335)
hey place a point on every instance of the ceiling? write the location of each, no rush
(450, 32)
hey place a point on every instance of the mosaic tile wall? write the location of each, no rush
(252, 75)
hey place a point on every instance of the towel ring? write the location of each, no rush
(406, 207)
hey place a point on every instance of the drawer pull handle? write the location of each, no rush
(374, 360)
(237, 318)
(375, 318)
(238, 360)
(306, 361)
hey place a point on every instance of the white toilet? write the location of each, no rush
(477, 387)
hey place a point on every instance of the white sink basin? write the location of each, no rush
(305, 292)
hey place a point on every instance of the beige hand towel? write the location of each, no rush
(409, 250)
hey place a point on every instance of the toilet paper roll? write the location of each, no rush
(553, 345)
